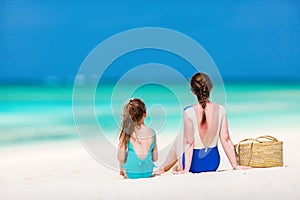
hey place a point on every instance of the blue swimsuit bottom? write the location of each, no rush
(204, 160)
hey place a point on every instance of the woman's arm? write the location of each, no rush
(188, 157)
(228, 145)
(188, 142)
(188, 146)
(154, 151)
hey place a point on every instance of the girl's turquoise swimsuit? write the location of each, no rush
(136, 167)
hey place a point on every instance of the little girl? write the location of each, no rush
(137, 147)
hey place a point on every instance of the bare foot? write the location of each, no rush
(179, 172)
(177, 167)
(241, 167)
(158, 172)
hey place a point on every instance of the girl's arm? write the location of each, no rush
(228, 146)
(122, 154)
(154, 151)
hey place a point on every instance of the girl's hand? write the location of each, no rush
(123, 173)
(241, 167)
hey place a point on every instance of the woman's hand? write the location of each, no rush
(242, 167)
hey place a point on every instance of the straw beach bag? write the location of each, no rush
(263, 151)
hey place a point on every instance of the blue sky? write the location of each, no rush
(248, 40)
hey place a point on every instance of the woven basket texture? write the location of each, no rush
(261, 152)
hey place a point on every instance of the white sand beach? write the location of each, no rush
(65, 170)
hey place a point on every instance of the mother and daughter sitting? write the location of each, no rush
(194, 151)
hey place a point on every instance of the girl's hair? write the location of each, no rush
(133, 113)
(201, 86)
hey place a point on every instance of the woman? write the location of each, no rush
(204, 124)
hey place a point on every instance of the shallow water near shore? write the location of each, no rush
(38, 113)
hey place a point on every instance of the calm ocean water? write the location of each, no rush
(44, 113)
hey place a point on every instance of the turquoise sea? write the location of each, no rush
(41, 113)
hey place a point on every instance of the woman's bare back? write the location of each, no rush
(208, 131)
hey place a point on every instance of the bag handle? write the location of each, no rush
(245, 140)
(267, 137)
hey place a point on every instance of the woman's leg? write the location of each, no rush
(174, 156)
